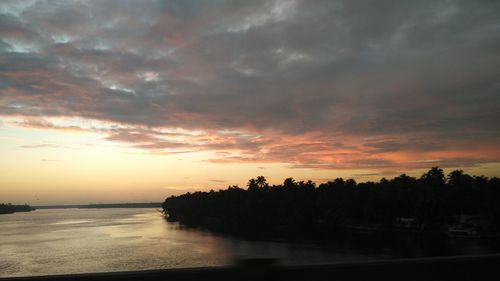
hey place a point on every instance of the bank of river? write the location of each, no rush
(61, 241)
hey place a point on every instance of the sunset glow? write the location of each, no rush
(114, 101)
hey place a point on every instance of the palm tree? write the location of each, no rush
(261, 182)
(434, 177)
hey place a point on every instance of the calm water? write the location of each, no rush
(100, 240)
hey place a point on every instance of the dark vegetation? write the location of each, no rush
(432, 203)
(10, 209)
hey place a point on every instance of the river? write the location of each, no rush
(59, 241)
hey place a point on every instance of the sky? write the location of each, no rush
(129, 101)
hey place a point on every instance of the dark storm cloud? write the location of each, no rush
(366, 79)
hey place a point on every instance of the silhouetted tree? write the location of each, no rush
(434, 177)
(458, 179)
(301, 209)
(289, 183)
(261, 182)
(252, 184)
(350, 183)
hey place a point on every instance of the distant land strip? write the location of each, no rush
(103, 206)
(10, 209)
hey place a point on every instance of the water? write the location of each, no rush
(47, 242)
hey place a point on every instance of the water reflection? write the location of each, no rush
(99, 240)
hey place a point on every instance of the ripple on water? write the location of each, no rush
(66, 222)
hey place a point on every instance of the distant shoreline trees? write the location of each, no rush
(10, 209)
(433, 202)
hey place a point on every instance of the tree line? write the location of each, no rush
(296, 208)
(9, 208)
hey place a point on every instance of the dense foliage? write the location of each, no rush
(295, 208)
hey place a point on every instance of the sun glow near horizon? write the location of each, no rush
(107, 101)
(60, 166)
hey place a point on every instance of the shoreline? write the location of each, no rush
(6, 209)
(317, 236)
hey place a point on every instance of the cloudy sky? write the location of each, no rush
(131, 100)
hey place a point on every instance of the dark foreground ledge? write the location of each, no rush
(447, 268)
